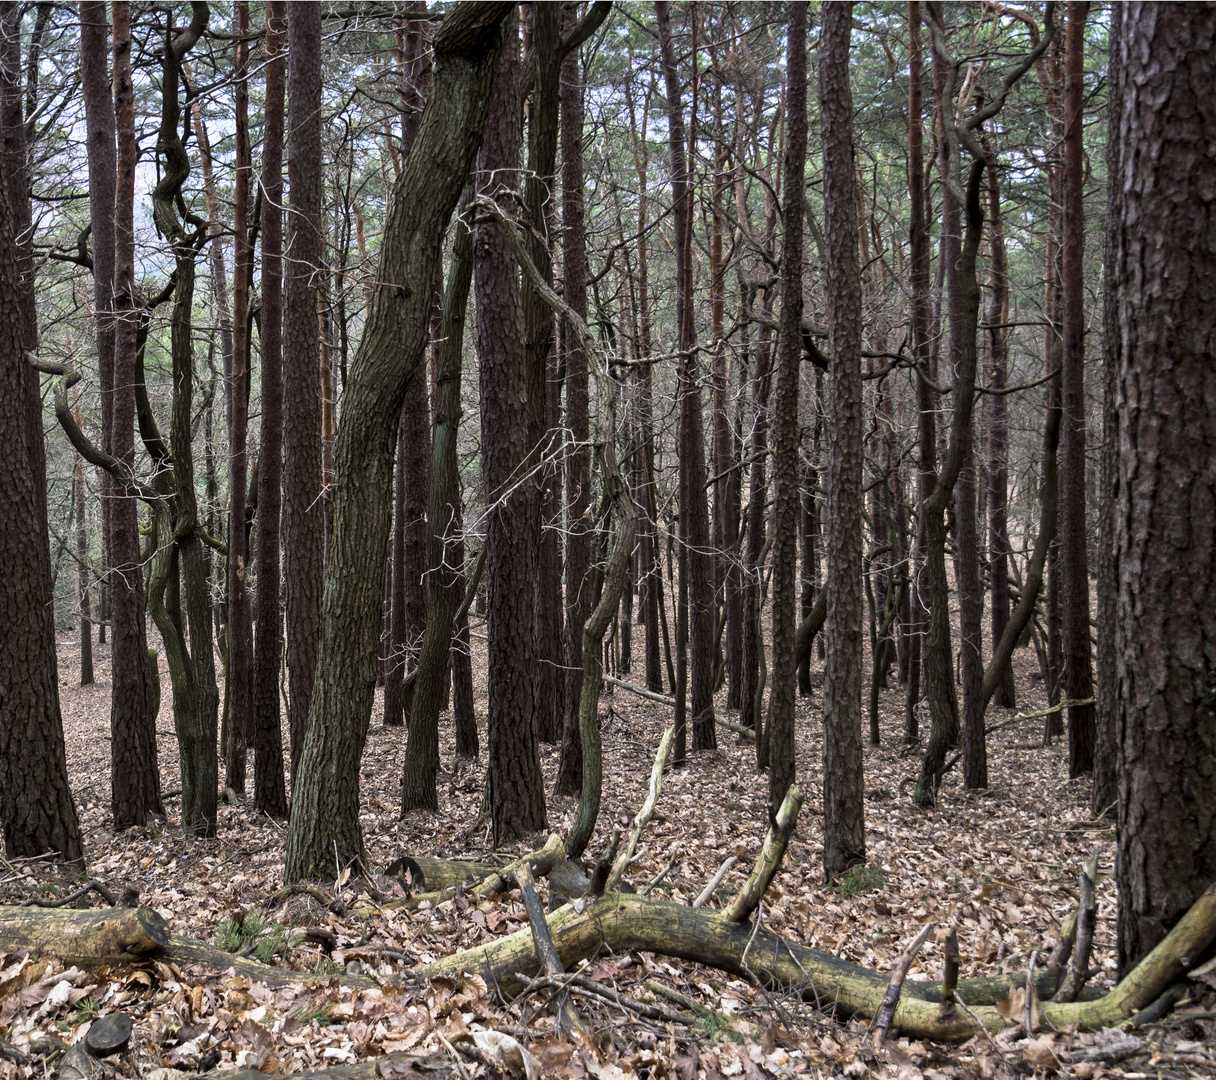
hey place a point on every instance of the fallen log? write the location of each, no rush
(430, 1066)
(86, 938)
(622, 922)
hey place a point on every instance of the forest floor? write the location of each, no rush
(1000, 864)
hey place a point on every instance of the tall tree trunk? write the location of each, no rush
(1106, 780)
(1074, 561)
(998, 436)
(324, 824)
(269, 788)
(517, 797)
(36, 809)
(240, 624)
(412, 488)
(1166, 526)
(782, 767)
(844, 838)
(302, 503)
(578, 422)
(135, 781)
(694, 511)
(926, 399)
(543, 404)
(443, 578)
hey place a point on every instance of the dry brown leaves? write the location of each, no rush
(999, 865)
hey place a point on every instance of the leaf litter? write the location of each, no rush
(999, 866)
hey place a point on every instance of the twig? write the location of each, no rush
(715, 881)
(646, 889)
(1114, 1051)
(1078, 964)
(1030, 1017)
(950, 974)
(91, 886)
(890, 1000)
(568, 1019)
(591, 988)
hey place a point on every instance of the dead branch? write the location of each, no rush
(886, 1009)
(1078, 964)
(667, 699)
(770, 858)
(623, 859)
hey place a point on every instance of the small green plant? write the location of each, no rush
(306, 1014)
(87, 1009)
(860, 879)
(250, 933)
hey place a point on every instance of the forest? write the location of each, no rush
(607, 539)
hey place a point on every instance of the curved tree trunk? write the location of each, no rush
(325, 808)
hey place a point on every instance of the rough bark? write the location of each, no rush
(844, 842)
(1074, 560)
(412, 485)
(269, 787)
(36, 809)
(325, 807)
(544, 55)
(998, 437)
(303, 512)
(781, 762)
(1165, 536)
(135, 775)
(517, 797)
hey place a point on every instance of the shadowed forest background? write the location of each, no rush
(747, 469)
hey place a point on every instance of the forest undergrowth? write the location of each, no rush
(1000, 865)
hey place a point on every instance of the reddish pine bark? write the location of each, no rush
(844, 841)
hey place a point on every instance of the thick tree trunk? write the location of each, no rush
(269, 788)
(303, 512)
(544, 402)
(1074, 560)
(781, 754)
(325, 808)
(1166, 526)
(517, 796)
(36, 809)
(844, 843)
